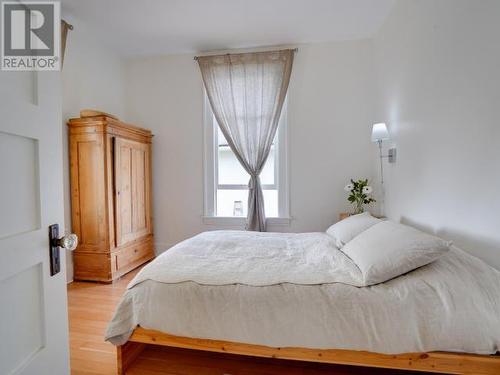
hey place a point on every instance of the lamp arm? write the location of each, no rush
(381, 164)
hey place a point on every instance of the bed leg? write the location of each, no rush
(126, 355)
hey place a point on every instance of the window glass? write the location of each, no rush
(234, 202)
(230, 171)
(232, 180)
(267, 174)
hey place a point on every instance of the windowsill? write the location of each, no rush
(241, 221)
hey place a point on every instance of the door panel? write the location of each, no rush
(132, 190)
(23, 298)
(33, 313)
(110, 188)
(88, 199)
(19, 179)
(123, 179)
(139, 189)
(90, 223)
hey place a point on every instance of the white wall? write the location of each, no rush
(431, 73)
(92, 77)
(439, 90)
(330, 116)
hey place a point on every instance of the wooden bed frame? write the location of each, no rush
(439, 362)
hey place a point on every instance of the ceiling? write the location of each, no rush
(154, 27)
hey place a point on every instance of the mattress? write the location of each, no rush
(452, 304)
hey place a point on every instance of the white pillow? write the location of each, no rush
(345, 230)
(389, 249)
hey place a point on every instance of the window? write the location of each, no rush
(226, 182)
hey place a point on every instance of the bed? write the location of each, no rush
(298, 297)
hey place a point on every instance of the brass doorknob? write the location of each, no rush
(68, 242)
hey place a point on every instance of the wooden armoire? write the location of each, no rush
(110, 173)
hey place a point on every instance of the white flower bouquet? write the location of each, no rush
(359, 194)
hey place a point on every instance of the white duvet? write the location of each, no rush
(299, 290)
(253, 258)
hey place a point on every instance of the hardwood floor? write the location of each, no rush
(91, 306)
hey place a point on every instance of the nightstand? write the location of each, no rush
(344, 215)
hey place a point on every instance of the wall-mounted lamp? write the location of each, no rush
(380, 134)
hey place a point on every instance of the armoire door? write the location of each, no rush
(88, 200)
(132, 190)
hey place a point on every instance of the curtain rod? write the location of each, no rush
(240, 53)
(70, 26)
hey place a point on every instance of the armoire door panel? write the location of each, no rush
(89, 214)
(110, 188)
(139, 222)
(132, 190)
(89, 219)
(125, 190)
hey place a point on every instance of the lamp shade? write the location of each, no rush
(379, 132)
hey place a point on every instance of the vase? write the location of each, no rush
(358, 208)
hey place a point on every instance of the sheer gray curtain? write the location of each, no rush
(246, 92)
(65, 27)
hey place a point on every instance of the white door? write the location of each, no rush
(33, 312)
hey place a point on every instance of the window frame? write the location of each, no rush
(210, 167)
